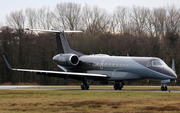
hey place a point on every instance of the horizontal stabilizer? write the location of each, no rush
(53, 30)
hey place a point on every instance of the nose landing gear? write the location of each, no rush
(164, 87)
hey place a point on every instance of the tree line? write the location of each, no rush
(136, 31)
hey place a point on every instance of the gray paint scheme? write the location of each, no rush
(59, 44)
(104, 67)
(64, 44)
(121, 68)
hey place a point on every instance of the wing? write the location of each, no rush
(58, 73)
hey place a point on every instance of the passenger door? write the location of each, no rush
(101, 64)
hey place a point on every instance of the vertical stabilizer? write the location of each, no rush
(59, 44)
(63, 46)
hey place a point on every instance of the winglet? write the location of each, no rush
(173, 66)
(7, 63)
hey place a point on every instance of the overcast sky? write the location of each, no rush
(6, 6)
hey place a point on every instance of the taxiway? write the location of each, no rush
(40, 88)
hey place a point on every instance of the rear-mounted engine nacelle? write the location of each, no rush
(66, 59)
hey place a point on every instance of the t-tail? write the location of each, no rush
(62, 43)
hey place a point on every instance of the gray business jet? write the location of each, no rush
(102, 67)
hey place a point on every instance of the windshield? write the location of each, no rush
(163, 63)
(156, 63)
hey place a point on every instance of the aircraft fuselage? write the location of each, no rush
(122, 68)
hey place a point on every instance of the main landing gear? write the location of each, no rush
(164, 87)
(118, 85)
(85, 84)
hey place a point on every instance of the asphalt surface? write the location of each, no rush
(97, 90)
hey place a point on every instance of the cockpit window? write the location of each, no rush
(163, 63)
(156, 63)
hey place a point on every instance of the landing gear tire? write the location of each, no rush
(118, 86)
(84, 86)
(164, 88)
(115, 86)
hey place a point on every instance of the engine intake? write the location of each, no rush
(66, 59)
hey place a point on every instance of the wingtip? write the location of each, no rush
(7, 63)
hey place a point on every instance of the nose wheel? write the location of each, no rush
(164, 87)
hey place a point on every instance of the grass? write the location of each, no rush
(18, 101)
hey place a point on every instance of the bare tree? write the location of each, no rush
(16, 19)
(150, 28)
(113, 23)
(157, 20)
(67, 16)
(1, 24)
(59, 15)
(123, 19)
(31, 15)
(139, 19)
(96, 19)
(172, 19)
(44, 18)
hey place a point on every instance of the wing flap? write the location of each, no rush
(59, 72)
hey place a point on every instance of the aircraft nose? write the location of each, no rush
(173, 74)
(168, 71)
